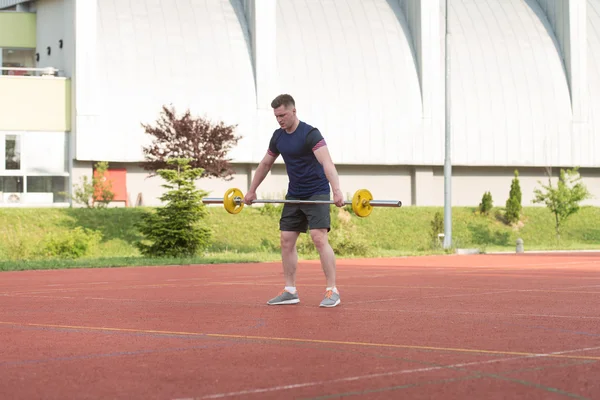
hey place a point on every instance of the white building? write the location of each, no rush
(524, 90)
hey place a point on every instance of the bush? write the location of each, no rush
(72, 244)
(513, 204)
(486, 203)
(343, 238)
(268, 209)
(175, 230)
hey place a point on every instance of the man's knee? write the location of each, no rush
(319, 238)
(288, 240)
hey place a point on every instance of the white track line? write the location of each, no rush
(383, 374)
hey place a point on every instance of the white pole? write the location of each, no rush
(448, 145)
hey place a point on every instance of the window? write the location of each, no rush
(34, 169)
(12, 148)
(18, 58)
(54, 185)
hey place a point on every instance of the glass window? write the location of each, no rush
(54, 185)
(12, 149)
(45, 153)
(18, 58)
(10, 186)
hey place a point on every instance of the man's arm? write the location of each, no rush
(323, 156)
(261, 172)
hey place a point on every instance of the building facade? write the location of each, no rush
(522, 91)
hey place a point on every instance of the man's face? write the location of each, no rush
(285, 116)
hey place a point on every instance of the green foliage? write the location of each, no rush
(564, 198)
(95, 192)
(344, 237)
(72, 244)
(254, 237)
(175, 230)
(269, 209)
(486, 203)
(437, 227)
(513, 203)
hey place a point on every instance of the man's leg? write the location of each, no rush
(319, 222)
(326, 254)
(289, 256)
(292, 222)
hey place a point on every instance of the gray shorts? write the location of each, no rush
(301, 217)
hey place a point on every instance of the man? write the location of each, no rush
(310, 171)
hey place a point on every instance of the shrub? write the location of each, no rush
(437, 227)
(343, 238)
(486, 203)
(72, 244)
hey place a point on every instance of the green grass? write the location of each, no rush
(253, 235)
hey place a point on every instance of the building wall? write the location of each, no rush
(413, 185)
(53, 26)
(17, 29)
(148, 54)
(524, 80)
(48, 97)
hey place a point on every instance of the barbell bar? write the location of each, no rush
(362, 202)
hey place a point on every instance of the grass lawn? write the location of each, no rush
(253, 235)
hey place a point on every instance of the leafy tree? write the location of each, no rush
(564, 198)
(205, 144)
(103, 191)
(96, 192)
(513, 204)
(175, 230)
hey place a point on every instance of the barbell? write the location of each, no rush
(362, 202)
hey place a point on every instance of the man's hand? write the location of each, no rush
(338, 198)
(249, 197)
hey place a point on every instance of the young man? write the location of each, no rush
(310, 171)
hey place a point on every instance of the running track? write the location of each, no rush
(450, 327)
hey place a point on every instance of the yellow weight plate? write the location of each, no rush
(229, 200)
(361, 203)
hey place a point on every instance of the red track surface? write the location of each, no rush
(455, 327)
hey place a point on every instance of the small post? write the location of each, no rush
(520, 248)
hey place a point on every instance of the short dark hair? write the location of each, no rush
(283, 100)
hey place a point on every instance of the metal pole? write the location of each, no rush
(448, 146)
(238, 201)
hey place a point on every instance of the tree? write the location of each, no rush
(513, 204)
(486, 204)
(175, 230)
(562, 200)
(94, 193)
(205, 144)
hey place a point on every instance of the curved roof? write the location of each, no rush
(187, 53)
(593, 56)
(351, 69)
(510, 96)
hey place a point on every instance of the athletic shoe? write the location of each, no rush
(284, 297)
(331, 299)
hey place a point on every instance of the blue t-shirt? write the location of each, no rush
(306, 174)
